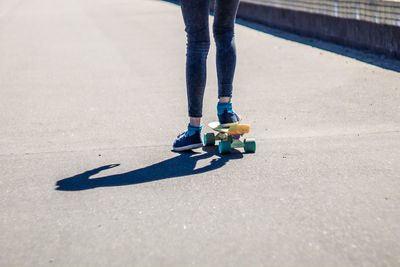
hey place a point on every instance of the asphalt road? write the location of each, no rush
(92, 95)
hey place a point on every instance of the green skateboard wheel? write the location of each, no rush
(250, 145)
(224, 147)
(209, 139)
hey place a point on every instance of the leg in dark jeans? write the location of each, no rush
(196, 14)
(223, 28)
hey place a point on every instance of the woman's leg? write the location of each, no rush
(223, 28)
(196, 15)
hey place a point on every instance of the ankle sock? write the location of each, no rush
(221, 107)
(193, 129)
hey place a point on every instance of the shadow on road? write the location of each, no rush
(182, 165)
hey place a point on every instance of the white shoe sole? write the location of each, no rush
(183, 148)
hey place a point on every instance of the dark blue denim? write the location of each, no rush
(196, 15)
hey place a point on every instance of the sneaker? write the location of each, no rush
(227, 119)
(184, 141)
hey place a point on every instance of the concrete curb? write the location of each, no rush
(380, 38)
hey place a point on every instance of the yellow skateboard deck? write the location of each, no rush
(232, 130)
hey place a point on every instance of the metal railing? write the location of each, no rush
(377, 11)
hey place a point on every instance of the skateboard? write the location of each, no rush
(229, 137)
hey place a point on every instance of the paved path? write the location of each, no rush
(96, 89)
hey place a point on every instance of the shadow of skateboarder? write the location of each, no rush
(182, 165)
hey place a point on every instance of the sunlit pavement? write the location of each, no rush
(92, 95)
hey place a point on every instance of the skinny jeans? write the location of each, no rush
(196, 16)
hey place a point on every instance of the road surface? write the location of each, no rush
(92, 95)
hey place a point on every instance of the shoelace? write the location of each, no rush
(181, 134)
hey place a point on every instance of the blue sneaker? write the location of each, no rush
(189, 139)
(227, 117)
